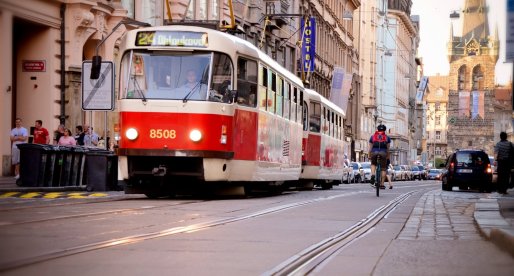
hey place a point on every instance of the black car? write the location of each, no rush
(468, 169)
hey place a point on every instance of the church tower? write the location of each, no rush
(472, 58)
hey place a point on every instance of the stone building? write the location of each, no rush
(45, 43)
(396, 74)
(472, 57)
(435, 138)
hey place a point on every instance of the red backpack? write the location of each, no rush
(379, 140)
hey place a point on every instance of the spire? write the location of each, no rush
(496, 37)
(475, 21)
(451, 33)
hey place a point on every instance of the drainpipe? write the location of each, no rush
(62, 117)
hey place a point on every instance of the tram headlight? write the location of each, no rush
(195, 135)
(131, 134)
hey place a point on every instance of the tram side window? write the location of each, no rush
(315, 117)
(279, 96)
(301, 105)
(272, 88)
(287, 99)
(294, 105)
(246, 82)
(263, 88)
(332, 124)
(221, 77)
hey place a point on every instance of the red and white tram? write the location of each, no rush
(199, 106)
(323, 156)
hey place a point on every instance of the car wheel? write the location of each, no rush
(445, 185)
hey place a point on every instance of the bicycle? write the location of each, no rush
(378, 175)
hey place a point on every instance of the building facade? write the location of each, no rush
(472, 57)
(435, 138)
(47, 41)
(396, 67)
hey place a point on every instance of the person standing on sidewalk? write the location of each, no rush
(19, 135)
(504, 152)
(41, 135)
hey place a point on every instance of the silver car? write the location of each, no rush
(366, 168)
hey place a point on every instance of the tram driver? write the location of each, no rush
(194, 88)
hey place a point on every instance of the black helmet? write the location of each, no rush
(381, 127)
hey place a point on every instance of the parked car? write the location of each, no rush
(347, 174)
(357, 172)
(408, 172)
(399, 173)
(494, 168)
(468, 169)
(415, 172)
(434, 174)
(424, 172)
(366, 171)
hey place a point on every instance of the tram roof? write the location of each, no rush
(325, 101)
(240, 46)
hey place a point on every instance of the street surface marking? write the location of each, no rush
(9, 194)
(30, 195)
(52, 195)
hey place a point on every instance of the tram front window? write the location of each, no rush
(175, 76)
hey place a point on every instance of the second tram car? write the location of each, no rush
(199, 106)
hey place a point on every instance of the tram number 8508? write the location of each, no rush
(163, 133)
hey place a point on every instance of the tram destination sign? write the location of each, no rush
(98, 95)
(172, 39)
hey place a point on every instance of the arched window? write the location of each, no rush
(462, 78)
(478, 78)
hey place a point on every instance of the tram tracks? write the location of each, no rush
(317, 254)
(299, 262)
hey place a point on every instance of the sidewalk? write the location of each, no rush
(495, 218)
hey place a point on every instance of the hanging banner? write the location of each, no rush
(464, 100)
(478, 105)
(509, 39)
(421, 90)
(308, 44)
(340, 88)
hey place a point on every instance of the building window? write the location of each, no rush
(438, 135)
(200, 10)
(470, 143)
(438, 151)
(129, 6)
(438, 120)
(437, 106)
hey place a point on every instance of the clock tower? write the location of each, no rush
(472, 57)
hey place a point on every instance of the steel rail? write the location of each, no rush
(5, 266)
(307, 260)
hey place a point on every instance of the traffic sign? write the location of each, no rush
(98, 95)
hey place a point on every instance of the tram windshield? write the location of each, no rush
(197, 76)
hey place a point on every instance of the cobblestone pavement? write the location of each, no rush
(442, 215)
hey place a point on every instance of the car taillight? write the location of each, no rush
(452, 166)
(488, 169)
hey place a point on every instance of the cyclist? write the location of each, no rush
(379, 145)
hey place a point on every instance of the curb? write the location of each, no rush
(493, 226)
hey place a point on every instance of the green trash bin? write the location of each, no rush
(77, 168)
(101, 170)
(35, 165)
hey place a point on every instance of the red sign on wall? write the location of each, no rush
(33, 66)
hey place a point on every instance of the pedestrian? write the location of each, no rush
(389, 174)
(41, 135)
(90, 137)
(19, 135)
(504, 154)
(58, 134)
(67, 139)
(79, 135)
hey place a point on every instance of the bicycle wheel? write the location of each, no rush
(378, 175)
